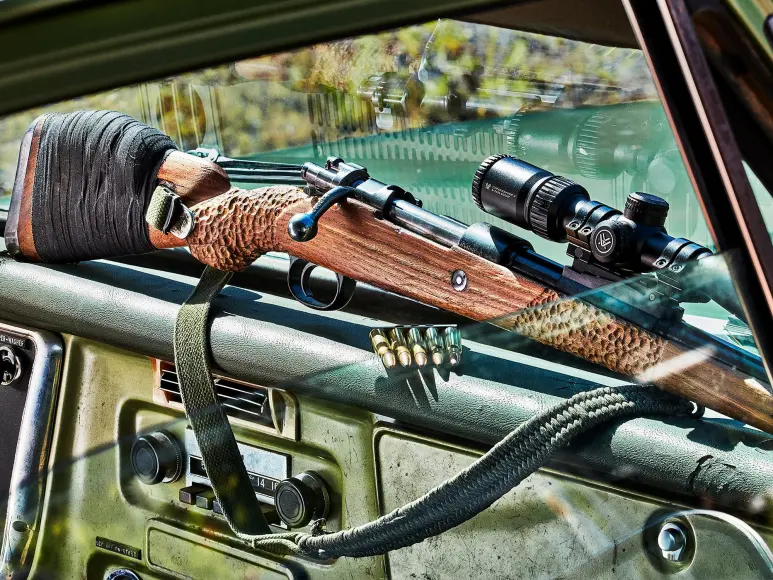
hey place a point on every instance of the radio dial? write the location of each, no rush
(156, 457)
(301, 499)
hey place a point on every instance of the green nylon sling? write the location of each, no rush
(222, 460)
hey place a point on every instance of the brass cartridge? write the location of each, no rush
(382, 347)
(434, 344)
(416, 344)
(400, 346)
(452, 340)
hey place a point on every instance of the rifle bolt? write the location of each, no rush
(400, 347)
(416, 344)
(382, 348)
(434, 344)
(453, 343)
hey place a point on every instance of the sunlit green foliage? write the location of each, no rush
(266, 103)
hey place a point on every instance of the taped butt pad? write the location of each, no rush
(94, 176)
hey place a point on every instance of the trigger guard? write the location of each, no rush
(298, 277)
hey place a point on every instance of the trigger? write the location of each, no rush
(298, 280)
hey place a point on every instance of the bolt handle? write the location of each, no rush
(302, 227)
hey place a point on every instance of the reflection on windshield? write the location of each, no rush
(408, 102)
(421, 107)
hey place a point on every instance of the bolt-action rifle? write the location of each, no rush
(87, 182)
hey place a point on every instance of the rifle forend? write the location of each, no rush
(232, 227)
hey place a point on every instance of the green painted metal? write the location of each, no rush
(82, 47)
(552, 523)
(550, 526)
(106, 398)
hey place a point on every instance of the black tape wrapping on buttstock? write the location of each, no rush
(95, 174)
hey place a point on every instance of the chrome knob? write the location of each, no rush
(156, 457)
(672, 541)
(10, 366)
(301, 499)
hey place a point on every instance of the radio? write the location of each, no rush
(287, 502)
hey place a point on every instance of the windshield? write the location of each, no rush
(421, 107)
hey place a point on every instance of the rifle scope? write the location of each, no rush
(560, 210)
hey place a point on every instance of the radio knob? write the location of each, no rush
(301, 499)
(10, 366)
(156, 458)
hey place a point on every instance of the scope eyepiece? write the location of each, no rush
(527, 196)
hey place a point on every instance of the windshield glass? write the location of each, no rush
(421, 107)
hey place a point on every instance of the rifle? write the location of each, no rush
(363, 230)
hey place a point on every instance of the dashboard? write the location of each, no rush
(316, 415)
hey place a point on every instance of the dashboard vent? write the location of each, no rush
(247, 402)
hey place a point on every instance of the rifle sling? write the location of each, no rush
(450, 504)
(222, 460)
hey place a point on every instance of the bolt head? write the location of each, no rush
(672, 541)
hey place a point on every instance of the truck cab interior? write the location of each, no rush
(103, 475)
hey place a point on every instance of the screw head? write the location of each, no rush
(459, 280)
(672, 541)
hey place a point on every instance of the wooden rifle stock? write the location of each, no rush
(233, 227)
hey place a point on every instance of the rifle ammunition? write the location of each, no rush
(400, 347)
(382, 348)
(416, 344)
(453, 343)
(434, 345)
